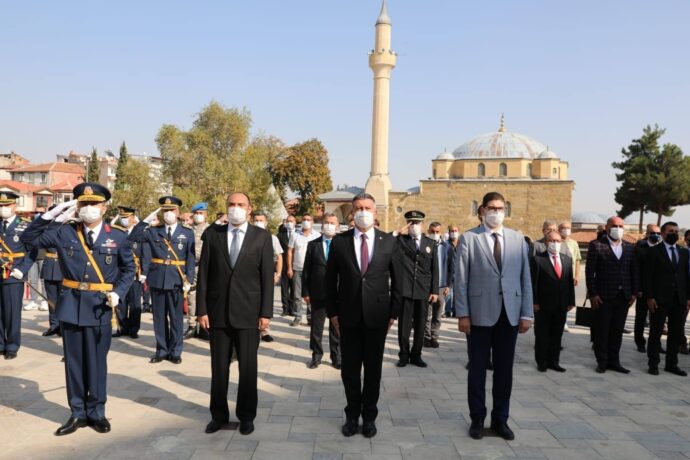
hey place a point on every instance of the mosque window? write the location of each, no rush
(481, 170)
(475, 208)
(503, 170)
(555, 171)
(508, 208)
(529, 169)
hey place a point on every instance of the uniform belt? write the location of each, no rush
(83, 286)
(168, 262)
(14, 255)
(50, 255)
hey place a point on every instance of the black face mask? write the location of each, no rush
(654, 239)
(671, 238)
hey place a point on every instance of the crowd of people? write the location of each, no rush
(220, 278)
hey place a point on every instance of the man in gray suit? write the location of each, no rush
(493, 301)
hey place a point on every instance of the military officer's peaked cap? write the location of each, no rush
(91, 191)
(126, 211)
(200, 207)
(169, 202)
(8, 198)
(414, 216)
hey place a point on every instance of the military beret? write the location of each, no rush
(200, 207)
(169, 202)
(416, 216)
(91, 191)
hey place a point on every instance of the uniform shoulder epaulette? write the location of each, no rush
(156, 226)
(117, 227)
(25, 219)
(185, 225)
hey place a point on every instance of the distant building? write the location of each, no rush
(10, 161)
(155, 172)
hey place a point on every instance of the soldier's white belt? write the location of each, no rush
(83, 286)
(179, 263)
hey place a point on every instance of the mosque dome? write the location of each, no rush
(588, 218)
(445, 155)
(547, 154)
(501, 144)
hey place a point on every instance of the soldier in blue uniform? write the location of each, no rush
(52, 279)
(15, 262)
(96, 261)
(168, 266)
(129, 310)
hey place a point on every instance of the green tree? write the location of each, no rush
(216, 156)
(93, 172)
(120, 184)
(303, 168)
(139, 190)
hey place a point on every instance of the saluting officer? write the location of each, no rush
(168, 266)
(15, 262)
(200, 217)
(96, 261)
(52, 279)
(418, 284)
(129, 309)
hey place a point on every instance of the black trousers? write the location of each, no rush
(287, 289)
(608, 322)
(129, 310)
(501, 338)
(360, 347)
(413, 315)
(52, 292)
(245, 342)
(318, 319)
(641, 311)
(548, 333)
(676, 324)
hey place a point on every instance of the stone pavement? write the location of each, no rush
(160, 411)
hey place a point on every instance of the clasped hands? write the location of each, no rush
(204, 323)
(465, 325)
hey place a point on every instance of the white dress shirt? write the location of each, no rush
(96, 231)
(371, 237)
(616, 247)
(553, 262)
(668, 251)
(172, 228)
(242, 231)
(323, 244)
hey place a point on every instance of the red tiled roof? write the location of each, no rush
(64, 186)
(20, 186)
(57, 167)
(587, 236)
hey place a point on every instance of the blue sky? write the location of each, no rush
(583, 77)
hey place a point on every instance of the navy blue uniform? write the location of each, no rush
(12, 289)
(84, 315)
(129, 309)
(52, 278)
(163, 278)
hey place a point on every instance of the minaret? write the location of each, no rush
(381, 60)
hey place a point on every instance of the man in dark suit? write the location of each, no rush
(286, 285)
(362, 308)
(553, 288)
(235, 302)
(416, 258)
(314, 292)
(652, 238)
(667, 289)
(612, 286)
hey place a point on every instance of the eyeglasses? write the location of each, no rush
(495, 208)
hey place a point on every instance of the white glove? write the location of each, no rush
(152, 217)
(113, 299)
(142, 279)
(16, 273)
(70, 214)
(186, 287)
(57, 210)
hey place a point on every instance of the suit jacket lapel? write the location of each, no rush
(351, 249)
(320, 250)
(245, 242)
(484, 244)
(222, 232)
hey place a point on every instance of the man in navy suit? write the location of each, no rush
(96, 261)
(129, 310)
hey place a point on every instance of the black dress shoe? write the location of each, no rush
(627, 331)
(402, 362)
(653, 371)
(2, 352)
(369, 429)
(118, 334)
(490, 366)
(190, 333)
(10, 354)
(676, 370)
(477, 429)
(434, 343)
(503, 430)
(101, 425)
(50, 332)
(556, 367)
(600, 369)
(214, 426)
(267, 338)
(427, 343)
(642, 349)
(175, 359)
(313, 364)
(662, 350)
(336, 365)
(350, 428)
(133, 335)
(246, 427)
(541, 367)
(618, 368)
(72, 425)
(156, 359)
(203, 335)
(418, 362)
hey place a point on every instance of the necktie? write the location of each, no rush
(169, 234)
(674, 259)
(364, 256)
(328, 248)
(557, 266)
(90, 235)
(497, 252)
(416, 243)
(4, 226)
(234, 247)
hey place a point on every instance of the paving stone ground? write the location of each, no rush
(160, 411)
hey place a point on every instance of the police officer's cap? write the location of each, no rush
(91, 191)
(126, 211)
(8, 198)
(414, 216)
(200, 207)
(169, 202)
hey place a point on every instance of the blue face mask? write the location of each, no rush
(654, 238)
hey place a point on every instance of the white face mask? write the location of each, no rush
(565, 233)
(5, 212)
(237, 215)
(90, 214)
(415, 230)
(328, 230)
(454, 235)
(435, 236)
(124, 221)
(616, 233)
(554, 248)
(364, 219)
(260, 224)
(306, 224)
(169, 217)
(290, 226)
(199, 218)
(494, 219)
